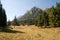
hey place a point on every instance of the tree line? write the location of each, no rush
(49, 17)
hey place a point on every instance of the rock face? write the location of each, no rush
(30, 16)
(33, 13)
(3, 19)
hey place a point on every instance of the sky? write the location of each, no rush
(20, 7)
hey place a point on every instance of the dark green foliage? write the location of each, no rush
(57, 12)
(43, 20)
(52, 17)
(15, 22)
(39, 21)
(3, 19)
(9, 23)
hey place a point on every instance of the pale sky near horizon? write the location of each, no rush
(20, 7)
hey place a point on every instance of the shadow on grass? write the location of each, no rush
(10, 31)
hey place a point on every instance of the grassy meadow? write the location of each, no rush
(30, 33)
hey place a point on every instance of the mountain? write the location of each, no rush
(30, 15)
(33, 13)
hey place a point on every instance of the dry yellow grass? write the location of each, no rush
(31, 33)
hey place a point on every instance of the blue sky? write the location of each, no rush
(20, 7)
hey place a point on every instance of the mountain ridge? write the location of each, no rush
(32, 13)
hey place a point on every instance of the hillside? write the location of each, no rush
(30, 16)
(31, 33)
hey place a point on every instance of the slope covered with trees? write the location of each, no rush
(49, 17)
(30, 17)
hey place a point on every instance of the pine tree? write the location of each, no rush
(3, 18)
(51, 17)
(15, 22)
(45, 19)
(9, 23)
(57, 11)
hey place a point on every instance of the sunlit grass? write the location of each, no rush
(31, 33)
